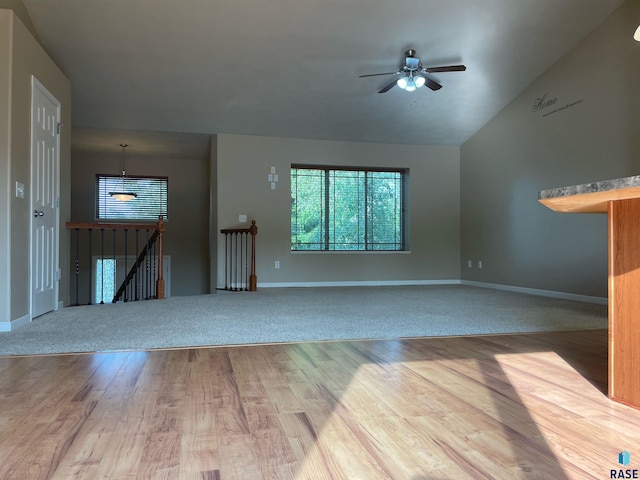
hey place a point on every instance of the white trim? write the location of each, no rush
(535, 291)
(15, 324)
(364, 283)
(390, 283)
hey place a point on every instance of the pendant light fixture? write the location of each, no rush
(123, 195)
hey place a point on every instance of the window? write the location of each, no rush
(105, 280)
(150, 203)
(340, 209)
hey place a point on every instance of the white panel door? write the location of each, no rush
(45, 166)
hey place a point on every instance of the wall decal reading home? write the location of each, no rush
(543, 104)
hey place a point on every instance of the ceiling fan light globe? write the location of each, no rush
(411, 84)
(419, 81)
(636, 36)
(402, 82)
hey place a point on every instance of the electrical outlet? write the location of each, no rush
(277, 263)
(480, 264)
(469, 263)
(242, 218)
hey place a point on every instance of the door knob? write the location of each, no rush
(38, 213)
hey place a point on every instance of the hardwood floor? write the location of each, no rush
(494, 407)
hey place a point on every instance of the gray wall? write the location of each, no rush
(5, 155)
(26, 58)
(184, 158)
(434, 196)
(22, 13)
(522, 151)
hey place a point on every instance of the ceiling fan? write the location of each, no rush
(413, 74)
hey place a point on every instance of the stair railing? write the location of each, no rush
(145, 278)
(142, 269)
(240, 258)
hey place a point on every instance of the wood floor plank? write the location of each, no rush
(504, 406)
(199, 442)
(314, 458)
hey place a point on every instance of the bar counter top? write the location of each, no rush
(590, 197)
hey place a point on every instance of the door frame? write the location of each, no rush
(37, 85)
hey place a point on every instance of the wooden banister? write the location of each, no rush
(160, 281)
(253, 231)
(253, 279)
(158, 236)
(136, 265)
(112, 226)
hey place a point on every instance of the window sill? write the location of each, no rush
(350, 252)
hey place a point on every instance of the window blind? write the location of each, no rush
(150, 203)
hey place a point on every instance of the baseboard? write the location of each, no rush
(363, 283)
(390, 283)
(14, 324)
(539, 292)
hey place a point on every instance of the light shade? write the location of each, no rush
(410, 83)
(123, 196)
(636, 36)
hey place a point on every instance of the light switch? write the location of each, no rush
(19, 190)
(242, 218)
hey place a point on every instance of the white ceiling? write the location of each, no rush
(289, 68)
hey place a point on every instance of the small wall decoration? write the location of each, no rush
(272, 178)
(547, 105)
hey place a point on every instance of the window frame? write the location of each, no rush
(369, 247)
(108, 219)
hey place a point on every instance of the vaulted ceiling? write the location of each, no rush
(290, 68)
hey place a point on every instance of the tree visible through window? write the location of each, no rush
(340, 209)
(150, 203)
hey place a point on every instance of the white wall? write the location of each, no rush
(434, 196)
(521, 151)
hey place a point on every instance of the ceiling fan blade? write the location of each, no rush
(379, 74)
(432, 84)
(450, 68)
(388, 87)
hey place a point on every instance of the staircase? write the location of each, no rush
(103, 242)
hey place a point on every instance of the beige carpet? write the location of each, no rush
(298, 314)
